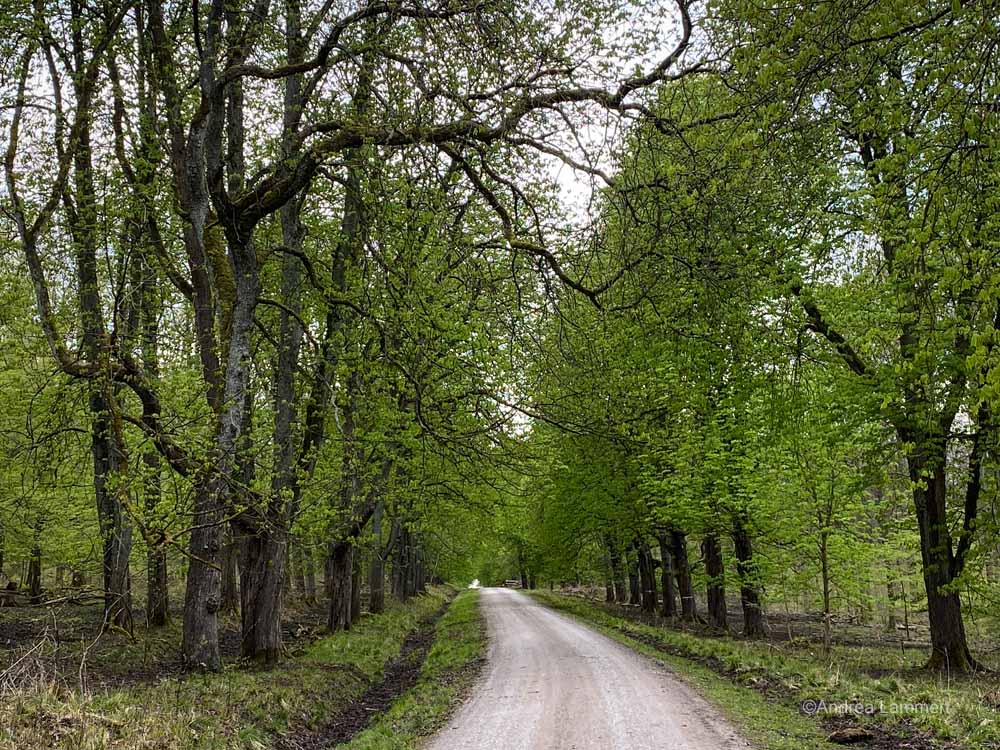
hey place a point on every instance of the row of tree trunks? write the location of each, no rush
(409, 575)
(675, 568)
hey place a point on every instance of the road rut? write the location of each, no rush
(554, 684)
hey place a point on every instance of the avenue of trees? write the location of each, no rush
(792, 390)
(291, 305)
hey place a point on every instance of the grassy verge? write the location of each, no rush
(449, 670)
(239, 708)
(769, 689)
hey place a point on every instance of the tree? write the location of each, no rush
(897, 92)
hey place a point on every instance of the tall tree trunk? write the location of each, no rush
(213, 491)
(393, 548)
(230, 594)
(746, 568)
(609, 586)
(34, 577)
(355, 611)
(263, 578)
(297, 568)
(711, 550)
(401, 563)
(106, 455)
(949, 644)
(682, 571)
(309, 576)
(339, 563)
(376, 570)
(410, 582)
(200, 642)
(634, 585)
(824, 561)
(647, 577)
(260, 597)
(669, 608)
(617, 572)
(157, 602)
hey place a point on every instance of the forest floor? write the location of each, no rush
(785, 692)
(61, 687)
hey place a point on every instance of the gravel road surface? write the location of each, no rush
(554, 684)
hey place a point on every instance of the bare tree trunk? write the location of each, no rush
(634, 587)
(401, 564)
(617, 573)
(682, 572)
(825, 574)
(753, 617)
(949, 644)
(34, 577)
(355, 610)
(260, 597)
(376, 570)
(200, 645)
(157, 602)
(609, 586)
(230, 573)
(669, 608)
(309, 576)
(339, 565)
(647, 577)
(711, 550)
(106, 454)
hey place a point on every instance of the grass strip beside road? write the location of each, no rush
(449, 671)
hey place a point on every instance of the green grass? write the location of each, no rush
(459, 642)
(238, 708)
(761, 686)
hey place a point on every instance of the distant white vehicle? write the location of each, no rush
(474, 584)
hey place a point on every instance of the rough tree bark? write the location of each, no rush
(339, 562)
(669, 608)
(634, 587)
(376, 570)
(682, 572)
(746, 568)
(356, 568)
(230, 594)
(711, 550)
(157, 602)
(647, 576)
(617, 572)
(81, 208)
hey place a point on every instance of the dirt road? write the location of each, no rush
(552, 683)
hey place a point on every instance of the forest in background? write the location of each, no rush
(295, 311)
